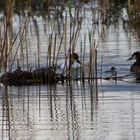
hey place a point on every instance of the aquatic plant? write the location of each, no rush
(134, 14)
(61, 34)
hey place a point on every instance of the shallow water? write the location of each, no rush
(76, 110)
(71, 111)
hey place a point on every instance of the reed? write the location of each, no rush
(7, 41)
(134, 13)
(38, 40)
(54, 51)
(66, 40)
(21, 33)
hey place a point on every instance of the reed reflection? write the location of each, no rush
(39, 111)
(5, 113)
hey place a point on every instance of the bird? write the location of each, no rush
(18, 70)
(112, 74)
(72, 64)
(136, 65)
(76, 69)
(63, 70)
(112, 71)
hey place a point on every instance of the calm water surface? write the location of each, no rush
(71, 111)
(77, 111)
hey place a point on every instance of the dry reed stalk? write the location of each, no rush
(76, 30)
(21, 33)
(7, 41)
(27, 52)
(16, 51)
(107, 3)
(54, 50)
(35, 61)
(59, 48)
(76, 35)
(63, 37)
(65, 45)
(95, 70)
(129, 5)
(83, 59)
(104, 5)
(90, 56)
(49, 50)
(134, 12)
(38, 40)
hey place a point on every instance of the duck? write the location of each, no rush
(136, 65)
(61, 70)
(72, 64)
(74, 68)
(112, 71)
(18, 70)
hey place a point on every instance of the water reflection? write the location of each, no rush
(73, 111)
(47, 111)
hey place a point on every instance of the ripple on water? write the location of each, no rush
(75, 114)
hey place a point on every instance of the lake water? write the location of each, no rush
(76, 110)
(71, 111)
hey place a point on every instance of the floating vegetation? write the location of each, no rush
(38, 76)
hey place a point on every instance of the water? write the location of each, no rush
(72, 112)
(76, 111)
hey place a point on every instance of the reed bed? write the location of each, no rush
(6, 41)
(65, 31)
(134, 14)
(62, 35)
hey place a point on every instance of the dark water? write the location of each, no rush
(75, 111)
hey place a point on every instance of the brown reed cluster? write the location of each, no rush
(65, 31)
(134, 12)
